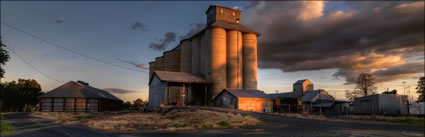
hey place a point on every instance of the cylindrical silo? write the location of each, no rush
(196, 50)
(160, 64)
(151, 68)
(249, 61)
(240, 61)
(172, 60)
(232, 58)
(217, 64)
(186, 56)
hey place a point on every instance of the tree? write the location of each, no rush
(4, 57)
(365, 84)
(394, 91)
(353, 94)
(421, 89)
(138, 103)
(16, 95)
(127, 105)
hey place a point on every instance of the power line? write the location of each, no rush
(29, 64)
(72, 51)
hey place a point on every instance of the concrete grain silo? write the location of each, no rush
(240, 61)
(218, 60)
(249, 47)
(172, 60)
(186, 56)
(196, 50)
(151, 68)
(160, 64)
(232, 59)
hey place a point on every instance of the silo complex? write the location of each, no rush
(224, 53)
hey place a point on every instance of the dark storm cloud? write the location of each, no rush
(139, 25)
(134, 63)
(196, 27)
(59, 21)
(162, 44)
(370, 36)
(119, 91)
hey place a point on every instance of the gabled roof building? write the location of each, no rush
(79, 97)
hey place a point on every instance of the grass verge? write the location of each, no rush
(6, 129)
(407, 120)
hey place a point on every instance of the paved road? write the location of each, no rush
(28, 126)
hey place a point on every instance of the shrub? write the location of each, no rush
(223, 123)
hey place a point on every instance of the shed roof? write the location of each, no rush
(74, 89)
(312, 96)
(281, 95)
(245, 93)
(178, 77)
(300, 81)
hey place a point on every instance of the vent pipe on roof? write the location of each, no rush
(82, 82)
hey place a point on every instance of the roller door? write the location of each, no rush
(58, 105)
(46, 104)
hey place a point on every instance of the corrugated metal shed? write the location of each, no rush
(179, 77)
(312, 96)
(323, 104)
(74, 89)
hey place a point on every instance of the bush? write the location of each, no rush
(223, 123)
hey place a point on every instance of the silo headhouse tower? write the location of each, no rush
(221, 56)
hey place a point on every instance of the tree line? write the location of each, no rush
(136, 105)
(21, 95)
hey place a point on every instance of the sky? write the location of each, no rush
(328, 43)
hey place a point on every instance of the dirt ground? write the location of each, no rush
(176, 119)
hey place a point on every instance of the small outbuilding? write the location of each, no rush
(79, 97)
(317, 100)
(381, 104)
(244, 99)
(168, 88)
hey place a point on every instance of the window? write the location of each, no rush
(221, 11)
(233, 14)
(224, 99)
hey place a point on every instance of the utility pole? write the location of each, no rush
(404, 87)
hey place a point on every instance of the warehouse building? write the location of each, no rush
(224, 54)
(382, 104)
(79, 97)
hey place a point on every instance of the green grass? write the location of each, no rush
(6, 129)
(409, 120)
(82, 117)
(177, 125)
(223, 123)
